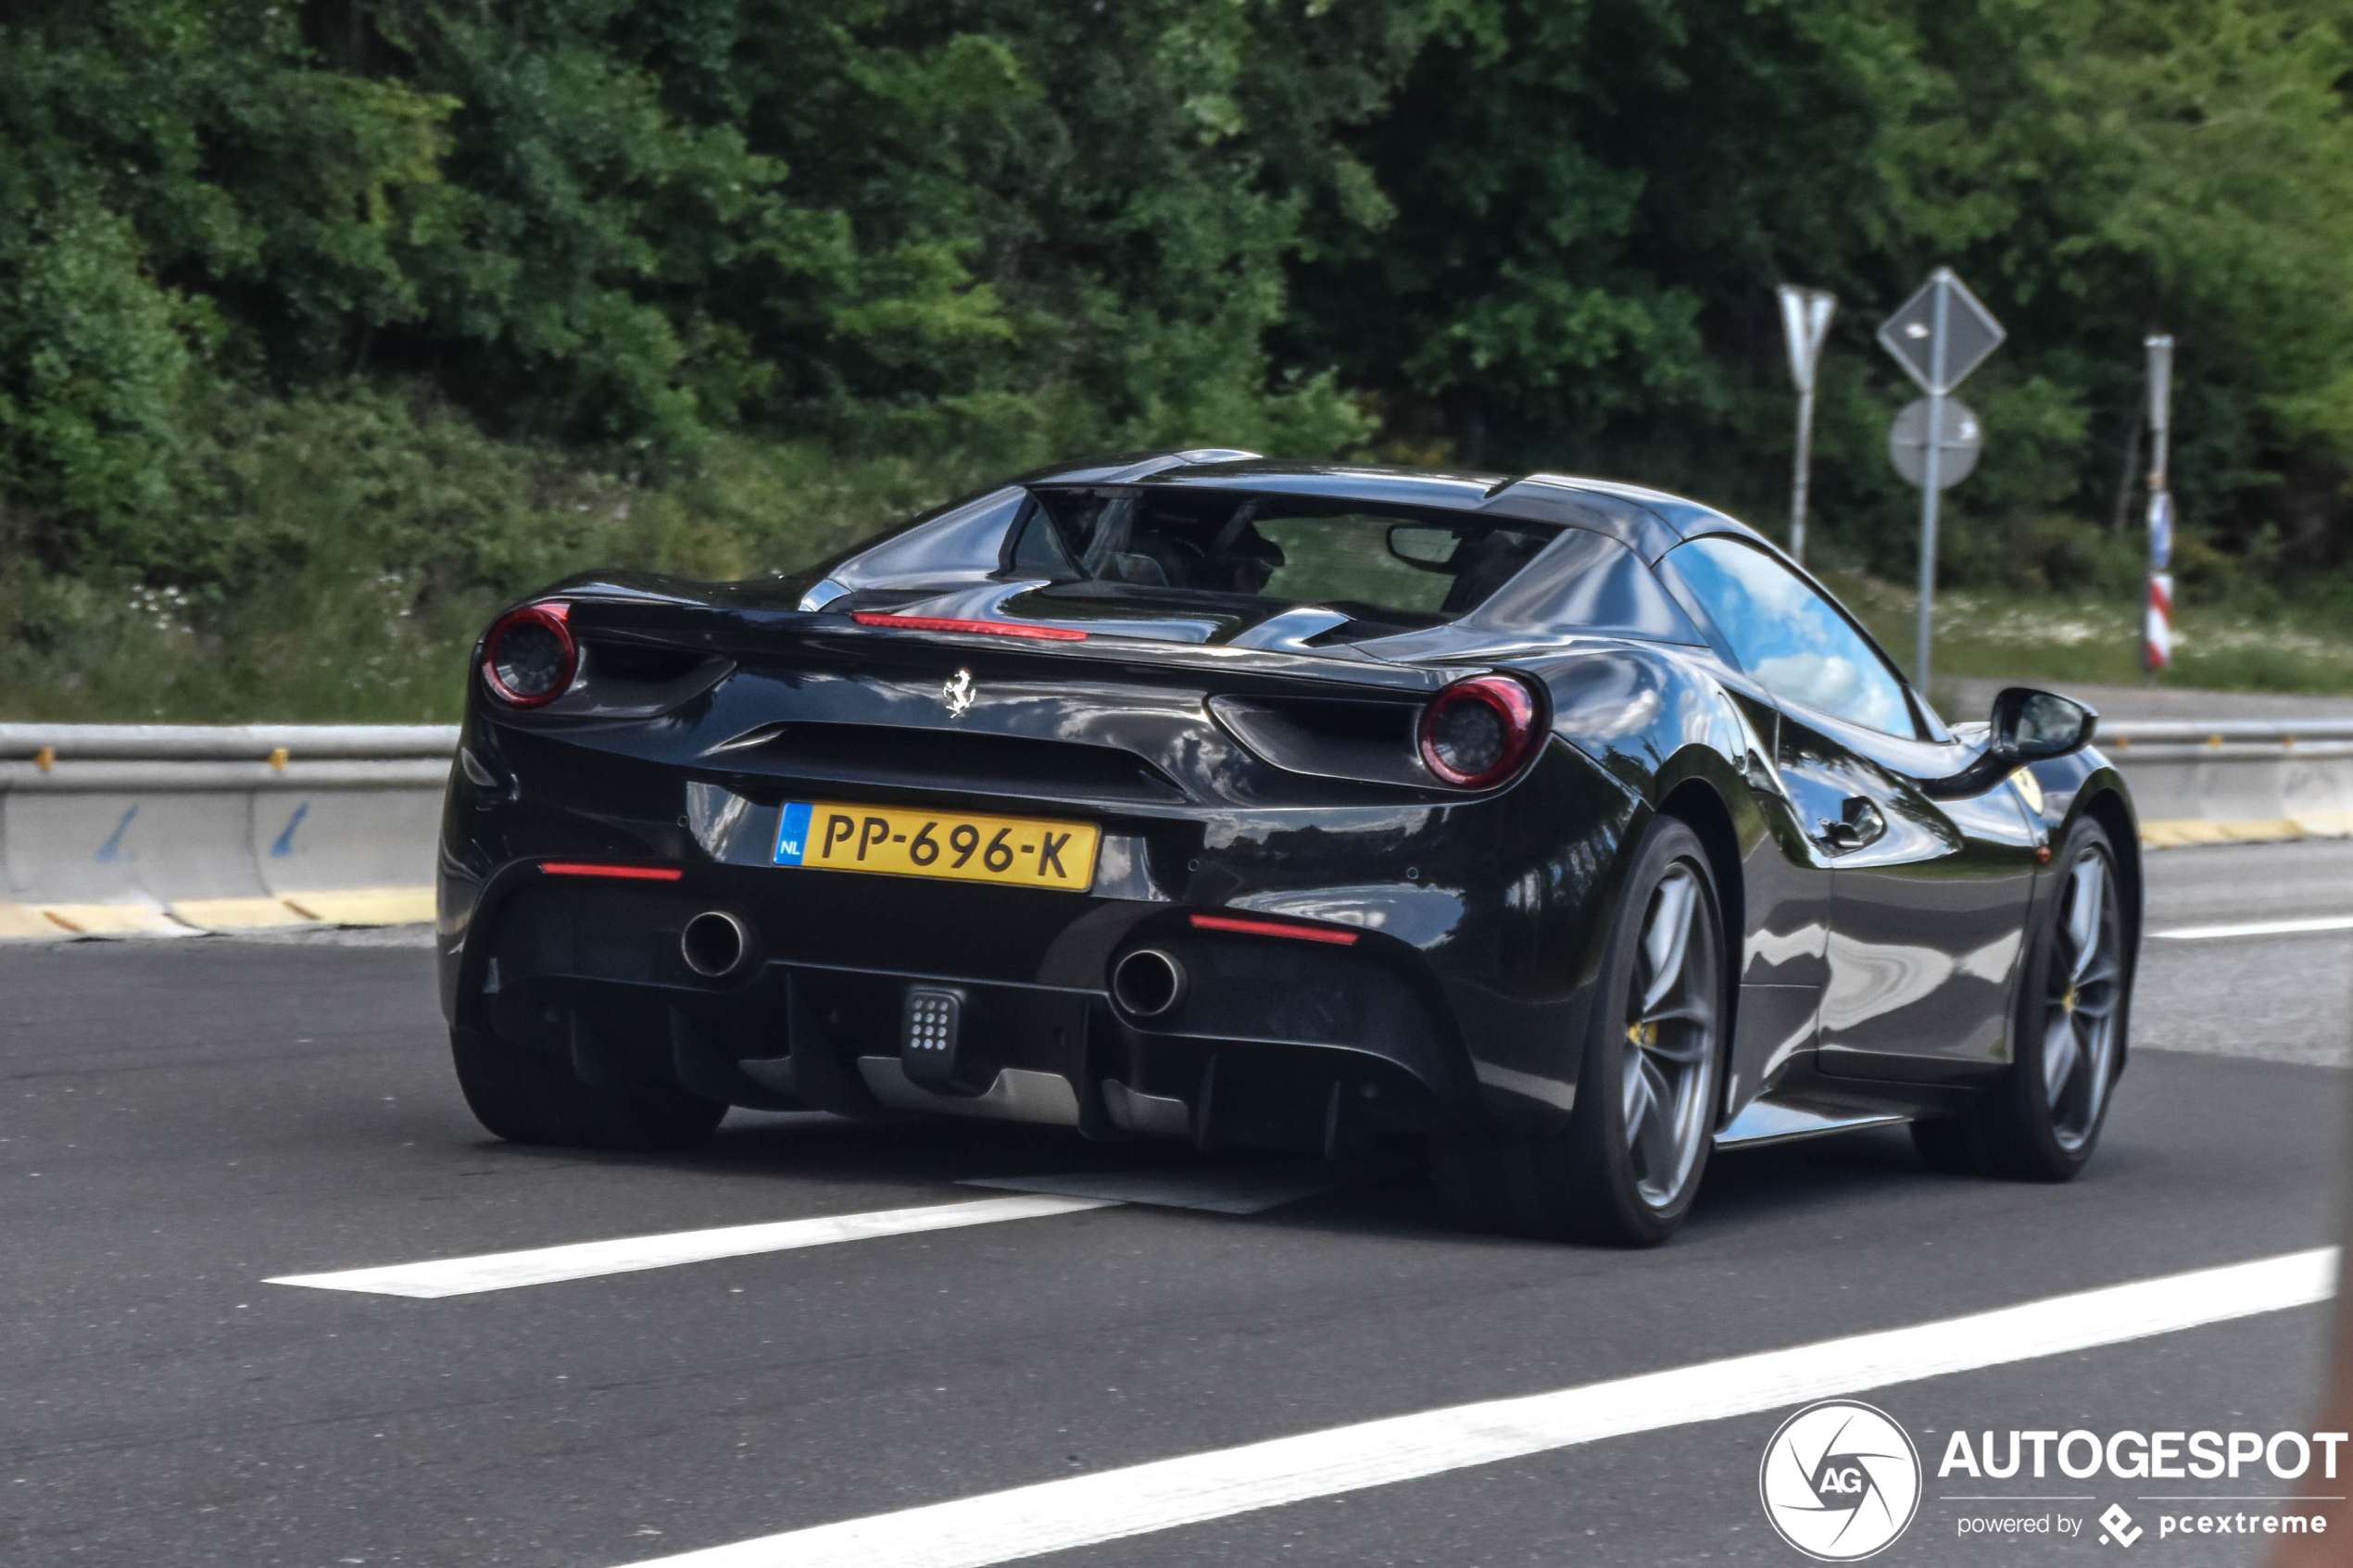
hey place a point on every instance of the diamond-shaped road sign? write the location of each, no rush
(1941, 333)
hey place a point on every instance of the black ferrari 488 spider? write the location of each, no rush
(1564, 828)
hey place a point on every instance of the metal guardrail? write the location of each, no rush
(139, 759)
(2186, 740)
(72, 759)
(2223, 731)
(226, 742)
(282, 746)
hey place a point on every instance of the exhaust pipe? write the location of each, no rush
(714, 944)
(1148, 983)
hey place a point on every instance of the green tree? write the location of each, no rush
(1596, 198)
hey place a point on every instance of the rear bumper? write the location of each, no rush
(1477, 926)
(1276, 1043)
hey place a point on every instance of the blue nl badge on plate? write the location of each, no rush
(792, 833)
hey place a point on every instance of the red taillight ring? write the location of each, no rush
(1512, 702)
(552, 616)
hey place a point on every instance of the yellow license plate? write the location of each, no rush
(1025, 852)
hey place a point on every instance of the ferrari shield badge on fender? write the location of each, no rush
(958, 693)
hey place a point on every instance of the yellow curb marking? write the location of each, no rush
(348, 906)
(366, 905)
(236, 914)
(2181, 832)
(115, 920)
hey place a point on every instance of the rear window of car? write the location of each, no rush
(1389, 567)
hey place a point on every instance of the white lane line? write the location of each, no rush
(2257, 928)
(585, 1260)
(1248, 1189)
(1114, 1505)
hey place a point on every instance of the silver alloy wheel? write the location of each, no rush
(1670, 1037)
(2080, 991)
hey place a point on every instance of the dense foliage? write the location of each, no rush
(326, 324)
(1594, 201)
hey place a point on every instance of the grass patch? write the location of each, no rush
(354, 547)
(331, 642)
(333, 557)
(2079, 638)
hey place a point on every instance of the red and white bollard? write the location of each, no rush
(2157, 631)
(2157, 621)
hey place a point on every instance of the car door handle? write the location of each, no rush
(1859, 825)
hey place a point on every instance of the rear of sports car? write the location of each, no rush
(1118, 854)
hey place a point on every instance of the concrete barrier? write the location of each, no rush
(172, 830)
(2240, 781)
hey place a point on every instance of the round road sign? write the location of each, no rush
(1964, 437)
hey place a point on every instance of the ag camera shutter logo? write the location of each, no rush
(1841, 1481)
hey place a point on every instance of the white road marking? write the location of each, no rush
(585, 1260)
(1245, 1189)
(2258, 928)
(1114, 1505)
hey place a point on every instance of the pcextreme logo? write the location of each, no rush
(1841, 1481)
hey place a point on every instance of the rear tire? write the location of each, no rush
(532, 1096)
(1627, 1168)
(2042, 1121)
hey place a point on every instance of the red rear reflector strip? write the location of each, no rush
(1274, 928)
(989, 628)
(626, 873)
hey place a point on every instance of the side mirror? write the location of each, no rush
(2028, 726)
(2032, 726)
(1429, 547)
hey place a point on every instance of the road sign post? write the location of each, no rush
(2157, 620)
(1940, 335)
(1924, 636)
(1806, 321)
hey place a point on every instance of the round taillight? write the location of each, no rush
(529, 658)
(1477, 733)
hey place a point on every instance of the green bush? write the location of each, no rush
(333, 555)
(325, 325)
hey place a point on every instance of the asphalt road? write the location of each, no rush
(185, 1120)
